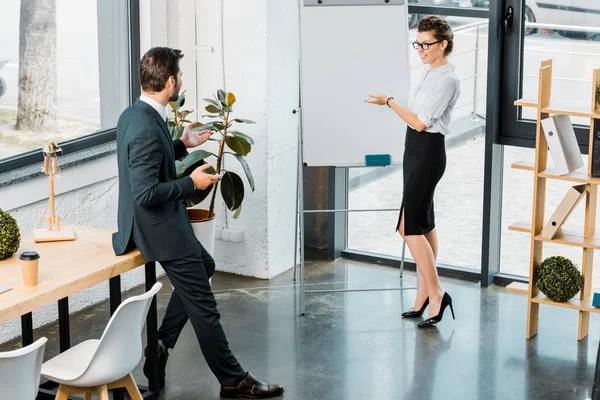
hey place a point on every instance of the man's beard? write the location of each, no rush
(174, 97)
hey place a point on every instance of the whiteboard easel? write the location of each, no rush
(330, 73)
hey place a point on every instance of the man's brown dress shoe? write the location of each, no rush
(251, 388)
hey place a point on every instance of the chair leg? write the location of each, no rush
(62, 393)
(103, 392)
(132, 388)
(88, 396)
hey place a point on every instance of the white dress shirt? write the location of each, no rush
(434, 96)
(156, 105)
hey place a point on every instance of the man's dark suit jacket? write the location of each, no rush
(150, 195)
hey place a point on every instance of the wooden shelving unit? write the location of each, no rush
(586, 239)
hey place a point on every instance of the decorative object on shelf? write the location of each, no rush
(564, 209)
(597, 96)
(10, 235)
(595, 157)
(562, 143)
(559, 279)
(53, 231)
(596, 300)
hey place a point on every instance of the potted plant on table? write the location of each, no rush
(230, 142)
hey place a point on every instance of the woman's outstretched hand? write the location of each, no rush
(377, 98)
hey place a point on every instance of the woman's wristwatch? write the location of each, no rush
(388, 101)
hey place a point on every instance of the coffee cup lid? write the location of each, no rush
(29, 255)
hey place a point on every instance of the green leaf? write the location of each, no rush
(232, 190)
(221, 95)
(211, 108)
(219, 125)
(244, 121)
(202, 127)
(179, 169)
(180, 101)
(210, 116)
(246, 168)
(177, 132)
(243, 136)
(229, 99)
(193, 160)
(238, 145)
(237, 212)
(211, 101)
(199, 195)
(186, 120)
(185, 113)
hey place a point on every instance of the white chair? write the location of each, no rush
(20, 371)
(100, 365)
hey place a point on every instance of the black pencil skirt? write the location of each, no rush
(424, 164)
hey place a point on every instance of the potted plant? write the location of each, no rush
(230, 142)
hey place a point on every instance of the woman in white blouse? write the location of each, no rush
(427, 115)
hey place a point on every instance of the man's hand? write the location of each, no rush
(194, 139)
(202, 180)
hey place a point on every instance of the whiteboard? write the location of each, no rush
(348, 49)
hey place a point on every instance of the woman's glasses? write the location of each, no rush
(424, 46)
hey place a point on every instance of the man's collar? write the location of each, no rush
(162, 111)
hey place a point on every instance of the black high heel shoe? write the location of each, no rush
(446, 301)
(416, 313)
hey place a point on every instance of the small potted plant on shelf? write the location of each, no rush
(230, 142)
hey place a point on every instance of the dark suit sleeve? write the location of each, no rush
(145, 157)
(179, 148)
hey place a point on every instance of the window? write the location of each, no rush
(565, 31)
(458, 201)
(65, 75)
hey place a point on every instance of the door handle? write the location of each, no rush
(508, 19)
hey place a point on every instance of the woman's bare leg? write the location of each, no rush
(423, 254)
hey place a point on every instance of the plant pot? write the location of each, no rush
(204, 227)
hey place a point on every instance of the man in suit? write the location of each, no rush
(153, 218)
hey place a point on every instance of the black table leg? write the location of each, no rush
(152, 331)
(114, 285)
(64, 329)
(27, 329)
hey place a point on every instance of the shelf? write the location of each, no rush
(525, 165)
(561, 237)
(570, 239)
(575, 176)
(518, 287)
(575, 303)
(573, 111)
(520, 227)
(526, 103)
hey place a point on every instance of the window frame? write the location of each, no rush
(513, 130)
(32, 157)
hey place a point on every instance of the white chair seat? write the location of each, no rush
(69, 365)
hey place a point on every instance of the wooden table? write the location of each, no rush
(66, 268)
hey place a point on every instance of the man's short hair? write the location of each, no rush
(157, 65)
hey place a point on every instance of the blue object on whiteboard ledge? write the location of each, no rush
(596, 300)
(377, 159)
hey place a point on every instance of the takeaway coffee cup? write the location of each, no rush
(29, 267)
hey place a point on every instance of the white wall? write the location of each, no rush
(282, 94)
(261, 67)
(251, 49)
